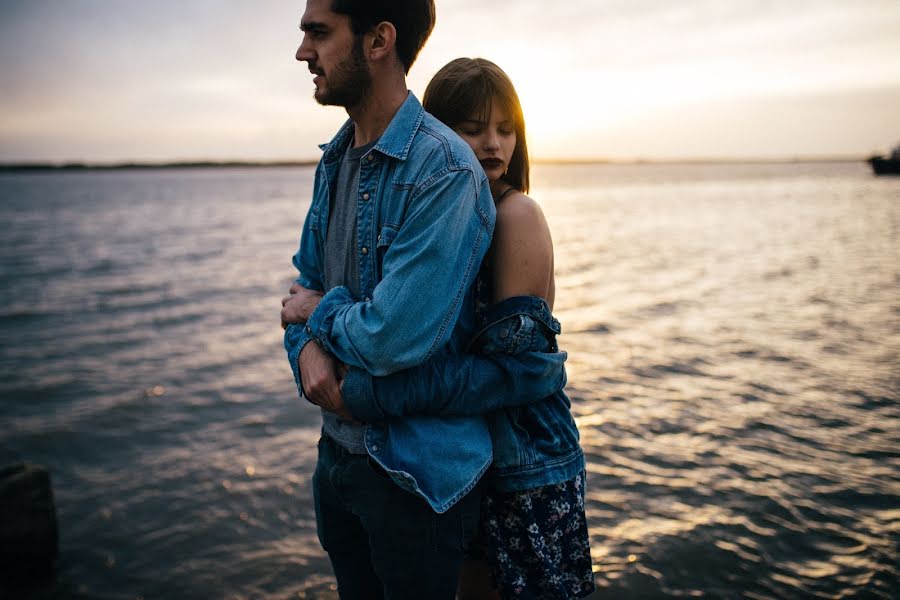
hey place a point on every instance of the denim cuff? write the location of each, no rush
(516, 325)
(531, 306)
(320, 321)
(295, 339)
(358, 392)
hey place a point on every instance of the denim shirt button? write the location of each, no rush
(367, 299)
(366, 195)
(504, 333)
(365, 250)
(374, 448)
(371, 157)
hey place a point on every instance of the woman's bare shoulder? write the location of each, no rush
(522, 249)
(519, 212)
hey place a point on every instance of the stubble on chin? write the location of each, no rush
(351, 81)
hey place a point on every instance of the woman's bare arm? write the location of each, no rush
(522, 250)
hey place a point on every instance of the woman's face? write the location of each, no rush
(493, 142)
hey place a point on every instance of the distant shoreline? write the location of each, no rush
(79, 166)
(25, 167)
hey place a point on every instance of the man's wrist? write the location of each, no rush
(295, 340)
(319, 323)
(311, 307)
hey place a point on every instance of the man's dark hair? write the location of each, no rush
(413, 20)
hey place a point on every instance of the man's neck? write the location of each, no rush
(372, 116)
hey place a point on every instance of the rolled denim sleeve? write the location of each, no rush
(427, 270)
(516, 364)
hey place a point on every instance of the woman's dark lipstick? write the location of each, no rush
(491, 163)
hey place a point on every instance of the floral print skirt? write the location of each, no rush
(536, 541)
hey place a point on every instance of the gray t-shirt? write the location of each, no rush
(342, 268)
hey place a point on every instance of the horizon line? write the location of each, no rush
(205, 164)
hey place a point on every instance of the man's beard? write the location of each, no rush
(350, 81)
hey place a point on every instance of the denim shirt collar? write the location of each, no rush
(396, 139)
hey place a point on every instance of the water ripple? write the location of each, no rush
(733, 337)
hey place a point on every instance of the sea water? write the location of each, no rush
(733, 335)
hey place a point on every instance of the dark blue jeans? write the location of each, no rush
(383, 542)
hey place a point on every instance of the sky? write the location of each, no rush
(170, 80)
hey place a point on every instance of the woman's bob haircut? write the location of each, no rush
(467, 87)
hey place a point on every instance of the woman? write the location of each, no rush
(533, 539)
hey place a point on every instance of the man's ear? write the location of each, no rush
(382, 42)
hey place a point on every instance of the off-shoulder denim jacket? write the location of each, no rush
(513, 369)
(425, 216)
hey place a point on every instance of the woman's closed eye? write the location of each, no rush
(470, 128)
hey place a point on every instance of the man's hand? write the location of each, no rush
(320, 374)
(297, 307)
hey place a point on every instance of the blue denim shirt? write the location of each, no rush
(424, 223)
(513, 369)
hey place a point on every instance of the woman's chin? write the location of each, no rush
(493, 175)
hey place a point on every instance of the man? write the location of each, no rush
(400, 220)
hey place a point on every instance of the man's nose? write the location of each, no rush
(303, 52)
